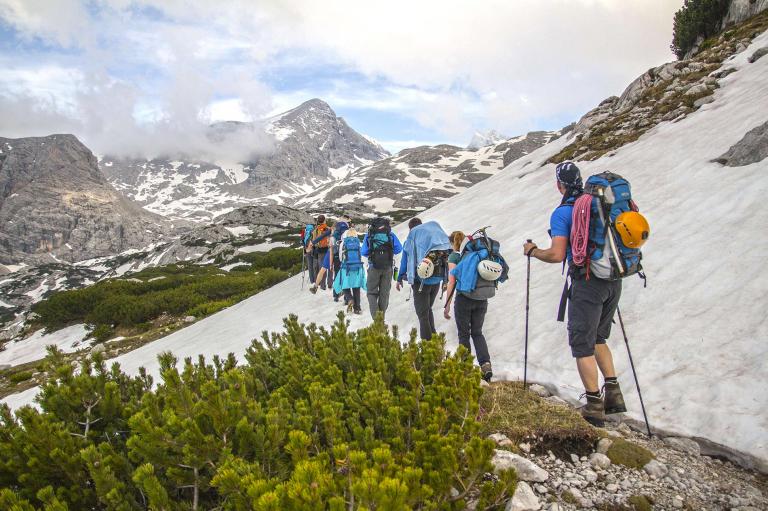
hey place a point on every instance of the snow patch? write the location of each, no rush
(67, 340)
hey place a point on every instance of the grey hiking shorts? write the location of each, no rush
(591, 306)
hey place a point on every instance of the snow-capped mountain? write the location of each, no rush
(311, 147)
(697, 332)
(482, 139)
(418, 178)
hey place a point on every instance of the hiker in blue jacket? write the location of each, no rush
(380, 246)
(423, 239)
(309, 258)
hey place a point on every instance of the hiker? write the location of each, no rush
(380, 246)
(319, 245)
(339, 230)
(592, 302)
(309, 259)
(475, 268)
(350, 278)
(424, 264)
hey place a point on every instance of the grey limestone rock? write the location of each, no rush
(683, 444)
(598, 460)
(656, 469)
(526, 469)
(752, 148)
(758, 54)
(524, 499)
(54, 202)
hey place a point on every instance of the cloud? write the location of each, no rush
(450, 66)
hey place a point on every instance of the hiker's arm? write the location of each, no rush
(364, 248)
(553, 254)
(450, 290)
(397, 247)
(401, 274)
(325, 234)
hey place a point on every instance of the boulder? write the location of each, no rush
(758, 54)
(524, 499)
(603, 445)
(539, 390)
(656, 469)
(526, 469)
(752, 148)
(598, 460)
(683, 444)
(501, 440)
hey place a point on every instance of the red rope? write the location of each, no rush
(580, 229)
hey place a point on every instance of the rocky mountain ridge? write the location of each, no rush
(421, 177)
(312, 146)
(56, 205)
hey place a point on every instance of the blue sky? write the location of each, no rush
(138, 75)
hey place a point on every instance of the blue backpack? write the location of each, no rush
(611, 196)
(352, 259)
(307, 234)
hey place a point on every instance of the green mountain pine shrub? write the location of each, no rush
(314, 420)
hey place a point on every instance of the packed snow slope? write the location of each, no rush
(698, 332)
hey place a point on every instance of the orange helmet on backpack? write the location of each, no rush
(633, 229)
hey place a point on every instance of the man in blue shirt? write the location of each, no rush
(591, 305)
(381, 259)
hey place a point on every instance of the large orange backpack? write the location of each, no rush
(319, 230)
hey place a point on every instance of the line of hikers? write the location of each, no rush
(596, 228)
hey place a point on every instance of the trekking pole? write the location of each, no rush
(634, 373)
(527, 293)
(303, 267)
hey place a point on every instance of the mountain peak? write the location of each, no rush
(489, 137)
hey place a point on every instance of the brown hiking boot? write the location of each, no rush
(594, 411)
(487, 371)
(614, 400)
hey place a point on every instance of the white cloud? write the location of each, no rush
(452, 66)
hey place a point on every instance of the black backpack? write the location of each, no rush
(381, 251)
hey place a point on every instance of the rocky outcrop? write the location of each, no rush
(56, 205)
(311, 147)
(741, 10)
(750, 149)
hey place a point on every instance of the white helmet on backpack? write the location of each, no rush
(489, 270)
(425, 269)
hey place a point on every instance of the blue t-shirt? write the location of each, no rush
(560, 225)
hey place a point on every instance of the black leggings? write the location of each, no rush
(353, 295)
(423, 300)
(470, 315)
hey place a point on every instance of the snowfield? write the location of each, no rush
(698, 332)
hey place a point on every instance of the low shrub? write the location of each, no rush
(314, 419)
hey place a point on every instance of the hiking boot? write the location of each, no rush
(358, 311)
(313, 289)
(487, 371)
(594, 411)
(614, 400)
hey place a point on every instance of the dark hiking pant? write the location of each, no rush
(353, 295)
(423, 300)
(591, 306)
(470, 315)
(379, 286)
(311, 268)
